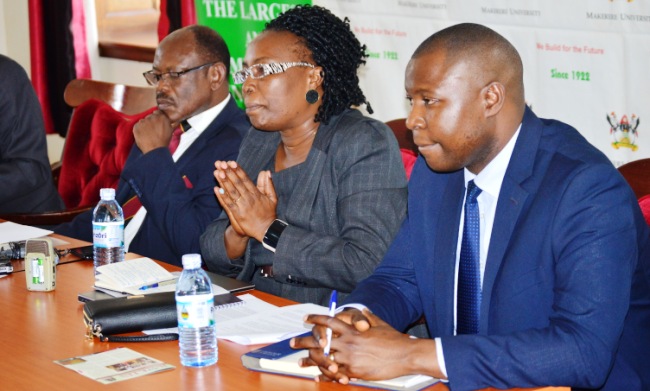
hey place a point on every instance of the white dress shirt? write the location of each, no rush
(489, 180)
(198, 124)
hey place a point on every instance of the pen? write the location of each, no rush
(333, 299)
(144, 288)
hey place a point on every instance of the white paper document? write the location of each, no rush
(133, 276)
(12, 232)
(167, 286)
(258, 322)
(269, 326)
(114, 365)
(252, 305)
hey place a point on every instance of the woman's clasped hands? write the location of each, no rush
(251, 208)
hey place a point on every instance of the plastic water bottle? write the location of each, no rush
(197, 335)
(108, 230)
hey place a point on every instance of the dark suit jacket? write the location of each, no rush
(25, 174)
(345, 211)
(566, 293)
(176, 215)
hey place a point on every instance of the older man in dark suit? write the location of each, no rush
(166, 184)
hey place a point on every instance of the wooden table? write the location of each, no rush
(40, 327)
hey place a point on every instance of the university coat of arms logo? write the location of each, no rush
(624, 131)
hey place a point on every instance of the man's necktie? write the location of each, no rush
(176, 136)
(469, 278)
(133, 204)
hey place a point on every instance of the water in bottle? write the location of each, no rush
(108, 230)
(195, 307)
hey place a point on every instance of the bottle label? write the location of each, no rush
(107, 235)
(195, 311)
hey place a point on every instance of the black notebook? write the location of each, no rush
(224, 300)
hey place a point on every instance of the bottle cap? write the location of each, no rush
(191, 261)
(107, 194)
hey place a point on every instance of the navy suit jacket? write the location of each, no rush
(178, 196)
(566, 289)
(25, 174)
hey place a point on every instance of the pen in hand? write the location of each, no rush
(333, 299)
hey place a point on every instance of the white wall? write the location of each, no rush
(3, 37)
(14, 31)
(14, 43)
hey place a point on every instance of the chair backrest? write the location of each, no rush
(99, 137)
(125, 99)
(637, 175)
(407, 147)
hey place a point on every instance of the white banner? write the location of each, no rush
(585, 61)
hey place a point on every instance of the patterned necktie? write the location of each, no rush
(176, 136)
(133, 204)
(469, 278)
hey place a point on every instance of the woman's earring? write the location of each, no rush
(311, 96)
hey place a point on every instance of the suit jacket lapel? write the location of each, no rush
(444, 253)
(512, 198)
(213, 130)
(302, 199)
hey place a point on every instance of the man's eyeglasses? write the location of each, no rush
(153, 78)
(259, 71)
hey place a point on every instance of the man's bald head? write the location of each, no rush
(490, 54)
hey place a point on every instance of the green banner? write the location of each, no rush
(238, 22)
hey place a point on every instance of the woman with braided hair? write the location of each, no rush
(318, 191)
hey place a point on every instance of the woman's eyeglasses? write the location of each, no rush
(259, 71)
(153, 78)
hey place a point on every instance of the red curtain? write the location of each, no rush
(78, 28)
(38, 66)
(175, 14)
(58, 54)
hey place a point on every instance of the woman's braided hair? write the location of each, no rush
(335, 48)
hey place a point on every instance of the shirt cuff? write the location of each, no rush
(358, 306)
(441, 357)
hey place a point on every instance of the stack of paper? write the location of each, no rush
(133, 277)
(258, 322)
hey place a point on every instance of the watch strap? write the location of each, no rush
(272, 235)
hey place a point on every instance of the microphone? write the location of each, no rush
(12, 250)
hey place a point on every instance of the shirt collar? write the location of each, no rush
(491, 177)
(201, 121)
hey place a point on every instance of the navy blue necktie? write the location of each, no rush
(469, 277)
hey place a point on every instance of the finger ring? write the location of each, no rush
(237, 200)
(332, 357)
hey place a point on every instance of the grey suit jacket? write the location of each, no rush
(348, 207)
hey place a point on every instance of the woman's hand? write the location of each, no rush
(250, 208)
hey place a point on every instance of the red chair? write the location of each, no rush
(97, 144)
(637, 175)
(407, 147)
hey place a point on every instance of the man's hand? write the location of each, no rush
(153, 131)
(365, 347)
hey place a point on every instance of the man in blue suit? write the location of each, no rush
(166, 186)
(562, 258)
